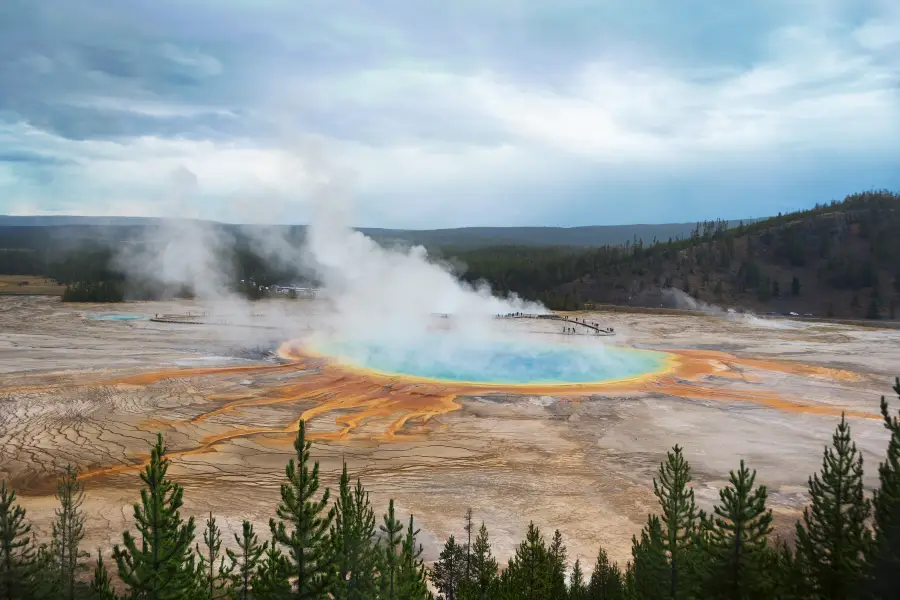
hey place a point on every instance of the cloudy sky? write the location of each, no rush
(435, 113)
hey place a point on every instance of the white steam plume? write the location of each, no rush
(372, 293)
(180, 252)
(687, 302)
(390, 291)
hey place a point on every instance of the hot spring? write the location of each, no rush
(496, 361)
(117, 317)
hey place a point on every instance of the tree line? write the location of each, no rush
(90, 272)
(847, 246)
(847, 545)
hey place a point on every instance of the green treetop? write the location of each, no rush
(160, 566)
(303, 524)
(832, 535)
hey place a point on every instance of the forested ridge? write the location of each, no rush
(840, 259)
(319, 545)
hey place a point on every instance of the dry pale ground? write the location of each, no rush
(94, 393)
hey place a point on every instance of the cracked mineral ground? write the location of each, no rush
(94, 392)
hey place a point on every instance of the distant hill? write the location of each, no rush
(840, 259)
(57, 220)
(69, 227)
(587, 236)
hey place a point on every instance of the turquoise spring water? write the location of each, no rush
(116, 317)
(511, 362)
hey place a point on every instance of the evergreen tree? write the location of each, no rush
(468, 530)
(832, 536)
(577, 587)
(629, 584)
(606, 580)
(558, 566)
(411, 577)
(272, 579)
(212, 576)
(506, 588)
(162, 566)
(530, 569)
(650, 573)
(352, 534)
(483, 579)
(790, 580)
(449, 572)
(44, 582)
(390, 546)
(101, 586)
(245, 561)
(874, 309)
(884, 557)
(16, 547)
(304, 524)
(679, 519)
(737, 541)
(67, 533)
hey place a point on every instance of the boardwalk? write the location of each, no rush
(583, 325)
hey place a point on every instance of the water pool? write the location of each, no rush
(117, 317)
(510, 362)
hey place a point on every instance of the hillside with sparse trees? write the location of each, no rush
(841, 259)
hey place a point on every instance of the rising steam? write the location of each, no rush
(686, 302)
(369, 292)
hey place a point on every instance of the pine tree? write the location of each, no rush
(212, 576)
(390, 546)
(449, 572)
(737, 541)
(530, 569)
(883, 560)
(558, 566)
(67, 533)
(789, 575)
(577, 588)
(304, 524)
(832, 536)
(679, 519)
(272, 578)
(43, 575)
(468, 529)
(506, 587)
(351, 536)
(650, 572)
(630, 585)
(606, 580)
(411, 577)
(484, 568)
(16, 548)
(245, 561)
(162, 567)
(874, 309)
(101, 586)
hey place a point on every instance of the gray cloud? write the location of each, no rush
(34, 158)
(442, 108)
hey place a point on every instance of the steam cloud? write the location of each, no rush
(371, 293)
(687, 302)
